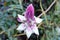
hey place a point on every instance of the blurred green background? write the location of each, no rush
(49, 29)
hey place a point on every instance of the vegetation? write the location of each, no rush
(49, 10)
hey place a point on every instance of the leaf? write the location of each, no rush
(14, 14)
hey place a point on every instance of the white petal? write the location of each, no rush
(38, 20)
(24, 13)
(22, 18)
(21, 27)
(35, 30)
(28, 32)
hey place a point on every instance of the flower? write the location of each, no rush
(29, 22)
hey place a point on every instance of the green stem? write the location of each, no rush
(43, 12)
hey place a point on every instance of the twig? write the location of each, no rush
(43, 12)
(6, 30)
(18, 35)
(38, 16)
(20, 1)
(48, 8)
(2, 32)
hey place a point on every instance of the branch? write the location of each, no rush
(42, 14)
(48, 8)
(38, 16)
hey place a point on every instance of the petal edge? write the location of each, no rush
(21, 27)
(21, 18)
(38, 20)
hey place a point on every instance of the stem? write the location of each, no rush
(44, 12)
(20, 1)
(48, 8)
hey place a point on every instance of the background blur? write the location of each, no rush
(49, 28)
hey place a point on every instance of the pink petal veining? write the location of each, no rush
(30, 12)
(30, 22)
(18, 19)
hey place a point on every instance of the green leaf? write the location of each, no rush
(14, 14)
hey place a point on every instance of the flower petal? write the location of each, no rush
(35, 30)
(30, 12)
(23, 13)
(38, 20)
(21, 27)
(21, 18)
(28, 32)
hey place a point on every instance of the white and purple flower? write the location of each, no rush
(29, 22)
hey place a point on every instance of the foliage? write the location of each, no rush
(8, 14)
